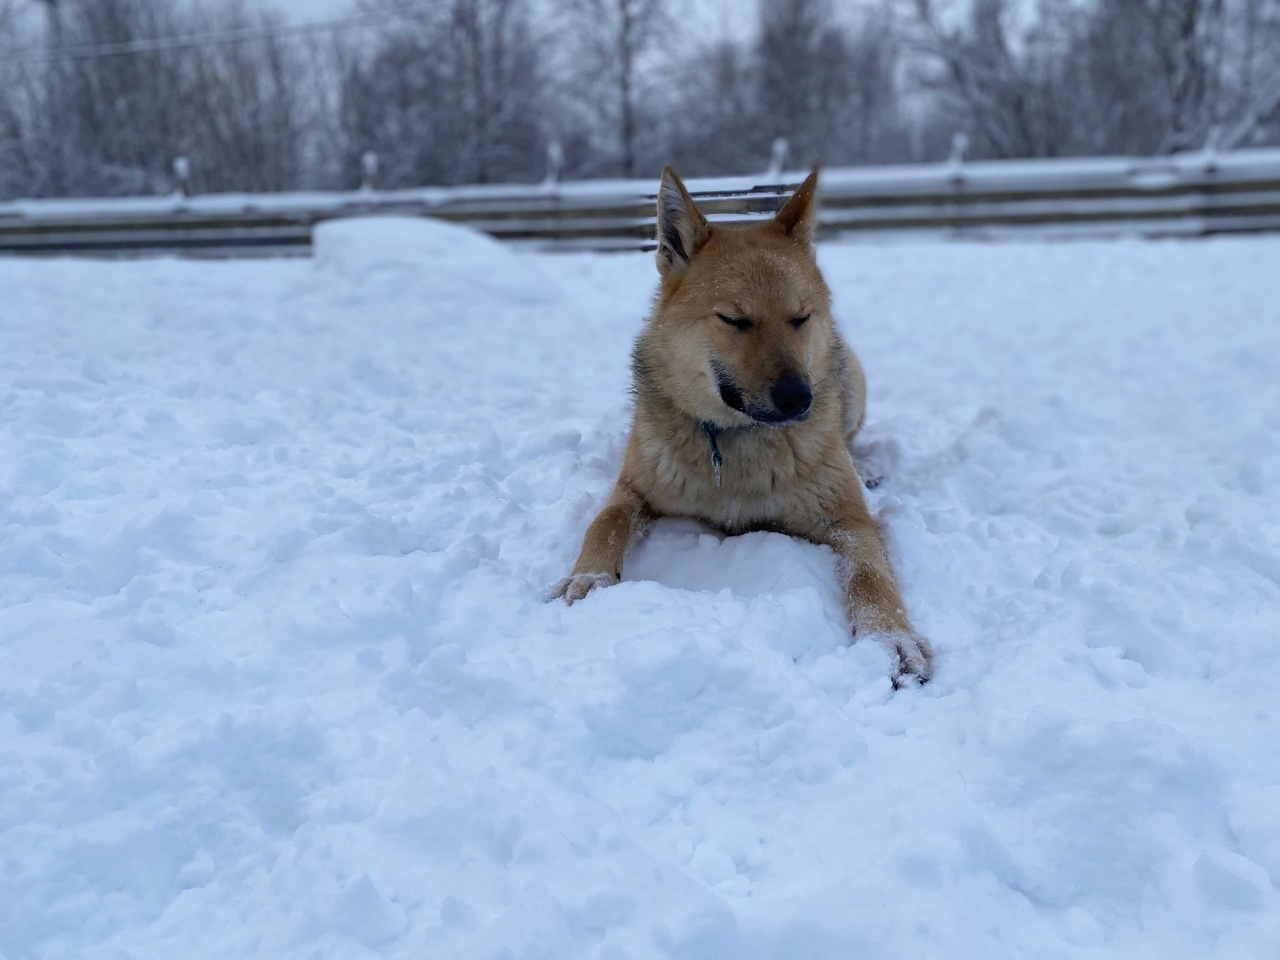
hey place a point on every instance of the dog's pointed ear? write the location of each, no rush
(798, 217)
(682, 229)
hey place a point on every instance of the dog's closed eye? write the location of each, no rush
(738, 323)
(799, 322)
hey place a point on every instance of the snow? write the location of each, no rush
(277, 678)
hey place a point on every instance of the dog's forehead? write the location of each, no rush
(763, 276)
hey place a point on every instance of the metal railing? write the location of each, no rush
(1181, 195)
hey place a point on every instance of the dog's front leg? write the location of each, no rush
(872, 600)
(624, 520)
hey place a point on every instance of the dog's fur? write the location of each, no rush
(741, 331)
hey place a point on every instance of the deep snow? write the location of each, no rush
(277, 679)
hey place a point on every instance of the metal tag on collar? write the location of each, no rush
(710, 431)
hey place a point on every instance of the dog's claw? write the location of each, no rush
(913, 653)
(915, 659)
(574, 588)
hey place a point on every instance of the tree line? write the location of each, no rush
(476, 91)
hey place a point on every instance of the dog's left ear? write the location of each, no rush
(682, 228)
(799, 216)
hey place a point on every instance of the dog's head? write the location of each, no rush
(741, 332)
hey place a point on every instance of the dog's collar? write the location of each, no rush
(711, 431)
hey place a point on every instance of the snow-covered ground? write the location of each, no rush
(277, 678)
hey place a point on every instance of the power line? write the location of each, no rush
(212, 39)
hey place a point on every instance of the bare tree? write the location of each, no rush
(22, 107)
(1114, 76)
(871, 128)
(470, 91)
(1157, 62)
(802, 54)
(113, 121)
(1252, 48)
(451, 98)
(716, 127)
(251, 130)
(610, 43)
(1006, 89)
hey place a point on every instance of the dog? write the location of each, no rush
(746, 402)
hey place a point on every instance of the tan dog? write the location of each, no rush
(746, 398)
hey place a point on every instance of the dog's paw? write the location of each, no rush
(873, 461)
(915, 659)
(574, 588)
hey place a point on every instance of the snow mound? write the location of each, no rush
(448, 257)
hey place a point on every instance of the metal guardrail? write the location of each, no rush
(1181, 195)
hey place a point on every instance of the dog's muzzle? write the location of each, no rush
(790, 400)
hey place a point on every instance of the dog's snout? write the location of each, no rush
(792, 397)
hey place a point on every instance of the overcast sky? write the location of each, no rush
(312, 9)
(703, 19)
(716, 17)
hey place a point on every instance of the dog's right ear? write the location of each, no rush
(682, 230)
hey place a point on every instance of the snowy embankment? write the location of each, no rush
(276, 677)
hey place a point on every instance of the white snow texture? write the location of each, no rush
(277, 678)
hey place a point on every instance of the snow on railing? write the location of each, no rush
(1191, 194)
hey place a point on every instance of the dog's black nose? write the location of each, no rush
(792, 397)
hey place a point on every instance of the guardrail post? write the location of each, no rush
(369, 171)
(778, 159)
(182, 176)
(1211, 142)
(955, 173)
(1208, 177)
(555, 164)
(955, 162)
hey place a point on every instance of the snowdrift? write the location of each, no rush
(276, 677)
(448, 260)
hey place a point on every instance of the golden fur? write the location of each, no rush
(741, 329)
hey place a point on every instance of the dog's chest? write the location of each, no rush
(761, 478)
